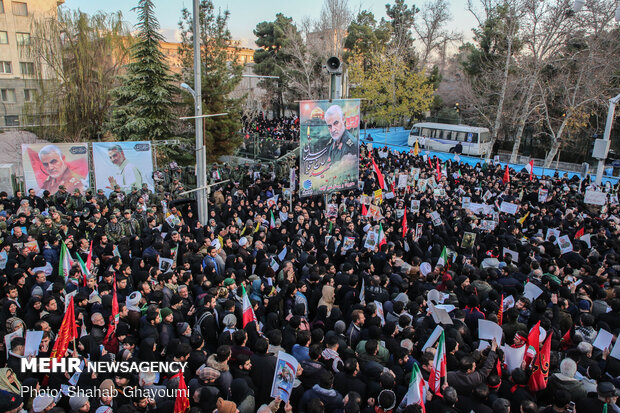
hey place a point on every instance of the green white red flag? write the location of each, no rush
(416, 394)
(439, 369)
(381, 236)
(66, 262)
(248, 312)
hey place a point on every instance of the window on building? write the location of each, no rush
(5, 67)
(8, 95)
(11, 120)
(20, 9)
(22, 38)
(29, 95)
(27, 68)
(1, 6)
(4, 38)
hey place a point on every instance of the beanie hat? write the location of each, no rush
(165, 312)
(77, 402)
(42, 402)
(224, 406)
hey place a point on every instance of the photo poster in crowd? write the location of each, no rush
(487, 225)
(513, 254)
(371, 240)
(48, 166)
(542, 195)
(403, 181)
(469, 239)
(565, 244)
(365, 199)
(418, 230)
(349, 242)
(9, 337)
(332, 210)
(284, 376)
(380, 312)
(593, 197)
(509, 208)
(436, 218)
(329, 146)
(375, 212)
(415, 205)
(465, 202)
(552, 232)
(126, 164)
(422, 185)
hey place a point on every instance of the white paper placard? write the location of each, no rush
(513, 357)
(595, 197)
(488, 330)
(33, 340)
(433, 338)
(532, 291)
(603, 340)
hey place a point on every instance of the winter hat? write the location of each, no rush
(165, 312)
(224, 406)
(41, 403)
(77, 402)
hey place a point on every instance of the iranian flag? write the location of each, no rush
(439, 366)
(530, 168)
(272, 221)
(443, 258)
(66, 262)
(381, 236)
(248, 312)
(83, 267)
(416, 394)
(89, 259)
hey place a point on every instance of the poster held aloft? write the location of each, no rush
(126, 164)
(284, 376)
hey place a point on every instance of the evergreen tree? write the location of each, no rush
(221, 73)
(142, 107)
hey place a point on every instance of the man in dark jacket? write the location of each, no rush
(330, 398)
(467, 377)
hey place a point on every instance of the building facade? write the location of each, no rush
(18, 83)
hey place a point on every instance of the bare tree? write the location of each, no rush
(334, 20)
(579, 79)
(430, 27)
(546, 27)
(304, 72)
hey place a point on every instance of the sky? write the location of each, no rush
(245, 14)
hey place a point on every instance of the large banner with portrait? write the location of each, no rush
(126, 164)
(49, 166)
(329, 142)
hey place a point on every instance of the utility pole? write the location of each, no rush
(201, 159)
(601, 146)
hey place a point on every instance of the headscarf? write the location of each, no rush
(5, 384)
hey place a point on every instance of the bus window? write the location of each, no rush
(448, 135)
(460, 136)
(415, 131)
(426, 132)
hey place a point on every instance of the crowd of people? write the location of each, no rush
(354, 315)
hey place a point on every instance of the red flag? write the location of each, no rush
(67, 332)
(500, 313)
(110, 342)
(540, 370)
(379, 174)
(533, 343)
(181, 404)
(506, 176)
(405, 223)
(364, 210)
(438, 171)
(566, 342)
(430, 163)
(392, 187)
(580, 233)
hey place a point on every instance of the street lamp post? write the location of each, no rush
(605, 142)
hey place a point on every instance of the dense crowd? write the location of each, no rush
(283, 128)
(356, 318)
